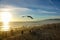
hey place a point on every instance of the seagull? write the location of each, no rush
(28, 17)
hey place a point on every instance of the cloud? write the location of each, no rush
(13, 8)
(49, 12)
(32, 4)
(26, 11)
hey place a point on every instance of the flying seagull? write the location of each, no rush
(28, 17)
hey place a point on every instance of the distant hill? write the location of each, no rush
(34, 23)
(50, 19)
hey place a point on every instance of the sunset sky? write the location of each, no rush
(38, 9)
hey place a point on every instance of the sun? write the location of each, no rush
(6, 17)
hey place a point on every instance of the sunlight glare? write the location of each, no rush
(6, 17)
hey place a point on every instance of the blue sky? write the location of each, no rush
(38, 9)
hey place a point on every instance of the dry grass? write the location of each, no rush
(44, 32)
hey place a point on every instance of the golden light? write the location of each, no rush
(5, 28)
(6, 17)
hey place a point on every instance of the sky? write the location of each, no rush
(38, 9)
